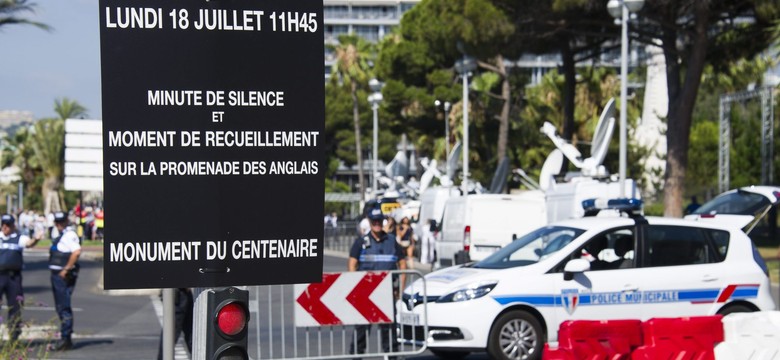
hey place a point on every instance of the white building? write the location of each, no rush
(369, 19)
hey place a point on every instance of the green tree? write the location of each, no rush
(418, 65)
(11, 10)
(692, 34)
(47, 140)
(352, 69)
(69, 109)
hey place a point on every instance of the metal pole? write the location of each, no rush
(21, 196)
(623, 95)
(465, 131)
(168, 323)
(447, 134)
(375, 108)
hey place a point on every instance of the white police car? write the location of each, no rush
(614, 267)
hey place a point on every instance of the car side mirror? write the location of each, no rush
(514, 237)
(575, 266)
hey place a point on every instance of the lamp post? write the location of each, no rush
(464, 67)
(374, 99)
(447, 107)
(620, 9)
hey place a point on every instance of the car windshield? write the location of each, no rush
(737, 203)
(531, 248)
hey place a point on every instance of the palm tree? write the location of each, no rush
(352, 70)
(17, 151)
(9, 9)
(47, 140)
(69, 109)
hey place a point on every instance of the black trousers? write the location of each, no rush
(11, 289)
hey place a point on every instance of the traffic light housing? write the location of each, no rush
(227, 324)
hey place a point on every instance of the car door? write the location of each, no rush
(610, 289)
(682, 270)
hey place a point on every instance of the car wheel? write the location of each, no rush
(734, 309)
(516, 335)
(450, 354)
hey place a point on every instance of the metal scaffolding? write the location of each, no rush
(767, 134)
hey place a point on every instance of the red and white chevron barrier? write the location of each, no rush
(350, 298)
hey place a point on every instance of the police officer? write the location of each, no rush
(376, 250)
(63, 263)
(12, 243)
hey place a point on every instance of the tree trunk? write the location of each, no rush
(569, 90)
(682, 98)
(50, 193)
(358, 149)
(503, 127)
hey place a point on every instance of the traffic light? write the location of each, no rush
(227, 324)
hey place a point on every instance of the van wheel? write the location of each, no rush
(516, 335)
(734, 309)
(449, 354)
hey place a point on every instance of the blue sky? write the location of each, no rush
(37, 67)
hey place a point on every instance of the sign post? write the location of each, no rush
(212, 137)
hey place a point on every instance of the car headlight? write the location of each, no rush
(471, 292)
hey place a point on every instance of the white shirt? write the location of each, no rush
(69, 241)
(22, 239)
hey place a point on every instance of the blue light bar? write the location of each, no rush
(626, 204)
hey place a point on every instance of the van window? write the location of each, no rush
(531, 248)
(681, 245)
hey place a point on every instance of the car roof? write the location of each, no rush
(599, 223)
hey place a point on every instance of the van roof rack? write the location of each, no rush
(629, 206)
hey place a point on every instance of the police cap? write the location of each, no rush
(376, 214)
(60, 216)
(6, 219)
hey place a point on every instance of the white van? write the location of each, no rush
(475, 226)
(432, 202)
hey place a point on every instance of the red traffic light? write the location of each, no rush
(231, 319)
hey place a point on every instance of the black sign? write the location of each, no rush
(212, 137)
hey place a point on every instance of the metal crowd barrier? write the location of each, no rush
(277, 337)
(341, 237)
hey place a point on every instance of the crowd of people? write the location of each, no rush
(417, 245)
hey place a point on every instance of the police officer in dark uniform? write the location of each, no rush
(12, 243)
(376, 251)
(63, 263)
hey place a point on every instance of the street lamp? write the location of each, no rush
(464, 67)
(447, 107)
(620, 9)
(374, 99)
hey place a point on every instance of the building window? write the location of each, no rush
(370, 33)
(336, 12)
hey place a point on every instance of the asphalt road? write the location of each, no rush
(120, 325)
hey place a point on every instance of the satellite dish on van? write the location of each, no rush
(600, 144)
(603, 134)
(430, 172)
(552, 166)
(498, 184)
(399, 166)
(453, 159)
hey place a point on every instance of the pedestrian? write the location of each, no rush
(693, 206)
(63, 263)
(12, 244)
(389, 225)
(428, 243)
(376, 250)
(184, 306)
(405, 236)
